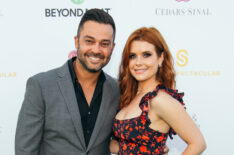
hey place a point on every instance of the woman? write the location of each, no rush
(150, 109)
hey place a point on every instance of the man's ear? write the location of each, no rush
(76, 42)
(113, 46)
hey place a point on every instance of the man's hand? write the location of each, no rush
(114, 146)
(165, 151)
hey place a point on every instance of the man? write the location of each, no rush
(69, 110)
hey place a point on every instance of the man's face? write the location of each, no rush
(94, 45)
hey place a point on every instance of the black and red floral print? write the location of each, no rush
(135, 136)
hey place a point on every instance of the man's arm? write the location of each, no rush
(30, 121)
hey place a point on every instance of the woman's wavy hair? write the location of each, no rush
(165, 75)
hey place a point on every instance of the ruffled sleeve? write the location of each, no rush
(144, 103)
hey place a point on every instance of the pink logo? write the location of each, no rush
(72, 54)
(182, 0)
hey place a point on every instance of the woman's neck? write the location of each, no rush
(147, 86)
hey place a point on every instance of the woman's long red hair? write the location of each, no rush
(165, 75)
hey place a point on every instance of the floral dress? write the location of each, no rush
(135, 136)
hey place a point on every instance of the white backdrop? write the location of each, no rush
(37, 36)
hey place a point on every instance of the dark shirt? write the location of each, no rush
(88, 113)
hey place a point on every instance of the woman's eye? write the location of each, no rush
(132, 56)
(146, 55)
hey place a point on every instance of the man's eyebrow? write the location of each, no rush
(106, 40)
(90, 37)
(103, 40)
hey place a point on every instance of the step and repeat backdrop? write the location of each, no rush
(37, 36)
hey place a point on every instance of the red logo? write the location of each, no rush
(72, 54)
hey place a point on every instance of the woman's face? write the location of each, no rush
(143, 61)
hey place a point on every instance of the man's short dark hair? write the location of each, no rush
(97, 15)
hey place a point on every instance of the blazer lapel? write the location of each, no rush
(68, 92)
(102, 112)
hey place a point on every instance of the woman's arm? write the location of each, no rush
(174, 114)
(114, 146)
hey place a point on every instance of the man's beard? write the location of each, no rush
(84, 63)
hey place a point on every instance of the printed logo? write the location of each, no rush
(182, 0)
(182, 61)
(72, 54)
(182, 58)
(7, 75)
(68, 12)
(183, 12)
(77, 1)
